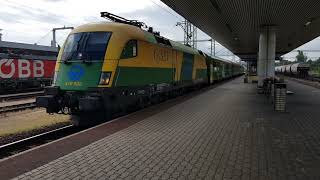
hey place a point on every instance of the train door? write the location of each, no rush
(174, 66)
(187, 67)
(211, 73)
(223, 71)
(215, 71)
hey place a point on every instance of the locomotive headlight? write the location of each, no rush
(105, 78)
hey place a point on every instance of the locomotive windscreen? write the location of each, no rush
(89, 46)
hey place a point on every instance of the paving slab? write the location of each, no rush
(229, 132)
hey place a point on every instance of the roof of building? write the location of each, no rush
(17, 45)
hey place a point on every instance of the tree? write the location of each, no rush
(301, 57)
(316, 63)
(284, 62)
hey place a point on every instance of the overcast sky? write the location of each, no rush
(31, 21)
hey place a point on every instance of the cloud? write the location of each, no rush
(35, 14)
(164, 20)
(32, 21)
(54, 0)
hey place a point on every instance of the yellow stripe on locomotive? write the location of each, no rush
(150, 62)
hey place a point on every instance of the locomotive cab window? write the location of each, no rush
(130, 50)
(89, 46)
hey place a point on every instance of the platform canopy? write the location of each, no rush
(236, 24)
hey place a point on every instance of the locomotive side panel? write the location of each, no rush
(200, 69)
(154, 64)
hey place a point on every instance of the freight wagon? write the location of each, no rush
(297, 69)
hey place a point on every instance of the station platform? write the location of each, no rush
(227, 132)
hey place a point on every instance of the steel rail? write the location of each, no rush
(36, 140)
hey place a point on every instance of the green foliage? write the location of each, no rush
(301, 57)
(283, 62)
(315, 67)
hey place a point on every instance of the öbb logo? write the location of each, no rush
(21, 68)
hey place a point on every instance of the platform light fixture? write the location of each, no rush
(307, 23)
(311, 20)
(216, 6)
(229, 27)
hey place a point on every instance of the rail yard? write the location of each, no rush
(25, 125)
(98, 95)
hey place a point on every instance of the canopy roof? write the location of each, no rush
(236, 23)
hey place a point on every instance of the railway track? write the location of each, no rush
(37, 140)
(17, 107)
(18, 102)
(310, 81)
(311, 78)
(27, 90)
(11, 97)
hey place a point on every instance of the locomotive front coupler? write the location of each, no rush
(50, 100)
(69, 102)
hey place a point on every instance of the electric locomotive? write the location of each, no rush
(108, 68)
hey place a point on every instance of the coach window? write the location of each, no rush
(130, 50)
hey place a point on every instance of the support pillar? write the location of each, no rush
(267, 53)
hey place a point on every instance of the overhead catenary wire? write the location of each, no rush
(42, 37)
(179, 18)
(61, 37)
(175, 15)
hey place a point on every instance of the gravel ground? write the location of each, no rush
(16, 102)
(22, 135)
(16, 126)
(306, 82)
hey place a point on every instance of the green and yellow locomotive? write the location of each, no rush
(108, 68)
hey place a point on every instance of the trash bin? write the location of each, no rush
(245, 80)
(280, 92)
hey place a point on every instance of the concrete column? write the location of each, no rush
(271, 52)
(261, 65)
(267, 53)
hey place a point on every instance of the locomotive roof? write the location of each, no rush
(15, 45)
(133, 32)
